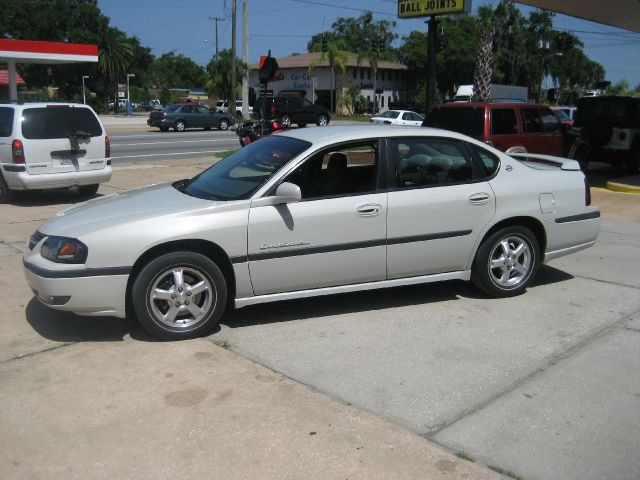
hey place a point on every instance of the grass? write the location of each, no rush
(506, 473)
(223, 344)
(465, 456)
(224, 154)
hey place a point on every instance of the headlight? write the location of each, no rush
(64, 250)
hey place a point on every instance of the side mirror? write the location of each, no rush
(285, 193)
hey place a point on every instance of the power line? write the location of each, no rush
(323, 4)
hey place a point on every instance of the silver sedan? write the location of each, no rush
(313, 212)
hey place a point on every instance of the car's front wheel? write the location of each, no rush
(506, 262)
(322, 120)
(179, 295)
(223, 124)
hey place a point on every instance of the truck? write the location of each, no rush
(506, 93)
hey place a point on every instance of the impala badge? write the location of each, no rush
(266, 246)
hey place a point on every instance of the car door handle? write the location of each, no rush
(369, 210)
(479, 198)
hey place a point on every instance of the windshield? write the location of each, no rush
(238, 176)
(172, 108)
(466, 120)
(561, 115)
(390, 114)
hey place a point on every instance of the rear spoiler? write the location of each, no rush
(564, 163)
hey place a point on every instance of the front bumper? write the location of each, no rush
(78, 289)
(22, 180)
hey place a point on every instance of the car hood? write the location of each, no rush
(124, 207)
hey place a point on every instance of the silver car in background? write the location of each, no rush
(313, 212)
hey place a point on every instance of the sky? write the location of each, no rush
(285, 27)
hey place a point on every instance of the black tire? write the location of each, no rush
(164, 129)
(322, 121)
(633, 161)
(285, 121)
(200, 274)
(516, 270)
(302, 125)
(223, 124)
(88, 189)
(180, 126)
(6, 194)
(207, 128)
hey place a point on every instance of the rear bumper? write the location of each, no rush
(159, 122)
(17, 180)
(566, 235)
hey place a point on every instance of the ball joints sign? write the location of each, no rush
(424, 8)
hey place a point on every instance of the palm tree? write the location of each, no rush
(483, 71)
(114, 56)
(337, 59)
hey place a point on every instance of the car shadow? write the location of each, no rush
(40, 198)
(68, 327)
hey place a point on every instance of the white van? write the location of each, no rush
(51, 145)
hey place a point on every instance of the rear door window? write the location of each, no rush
(6, 121)
(550, 123)
(531, 120)
(58, 121)
(504, 121)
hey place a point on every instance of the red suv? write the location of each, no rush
(510, 127)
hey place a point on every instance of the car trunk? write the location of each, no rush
(62, 139)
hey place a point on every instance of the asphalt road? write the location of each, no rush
(149, 146)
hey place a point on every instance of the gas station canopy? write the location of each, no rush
(28, 51)
(616, 13)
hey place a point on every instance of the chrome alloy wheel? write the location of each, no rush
(181, 297)
(510, 262)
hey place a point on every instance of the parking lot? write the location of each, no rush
(382, 384)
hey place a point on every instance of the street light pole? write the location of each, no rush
(84, 97)
(128, 76)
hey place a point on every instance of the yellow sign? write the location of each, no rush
(423, 8)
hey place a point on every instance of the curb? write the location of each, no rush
(622, 188)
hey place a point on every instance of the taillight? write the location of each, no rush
(275, 125)
(273, 109)
(587, 192)
(107, 147)
(163, 115)
(17, 151)
(387, 122)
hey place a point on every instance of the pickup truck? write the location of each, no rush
(223, 107)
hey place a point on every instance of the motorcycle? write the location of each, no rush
(249, 132)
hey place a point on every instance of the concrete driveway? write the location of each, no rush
(543, 385)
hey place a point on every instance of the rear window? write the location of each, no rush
(6, 121)
(465, 120)
(43, 123)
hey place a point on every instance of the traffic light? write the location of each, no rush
(325, 44)
(560, 41)
(267, 68)
(568, 42)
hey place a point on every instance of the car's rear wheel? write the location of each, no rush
(180, 126)
(506, 262)
(88, 189)
(6, 194)
(285, 121)
(322, 120)
(179, 295)
(164, 129)
(223, 124)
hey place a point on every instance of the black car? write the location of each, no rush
(180, 116)
(291, 110)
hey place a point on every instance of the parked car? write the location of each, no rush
(51, 145)
(607, 129)
(152, 105)
(510, 127)
(181, 116)
(223, 107)
(398, 117)
(308, 212)
(290, 110)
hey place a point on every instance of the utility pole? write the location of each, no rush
(431, 62)
(245, 59)
(232, 97)
(216, 19)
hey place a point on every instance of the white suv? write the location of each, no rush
(51, 145)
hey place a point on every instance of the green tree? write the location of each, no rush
(176, 71)
(337, 59)
(218, 83)
(114, 55)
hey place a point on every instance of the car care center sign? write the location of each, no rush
(424, 8)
